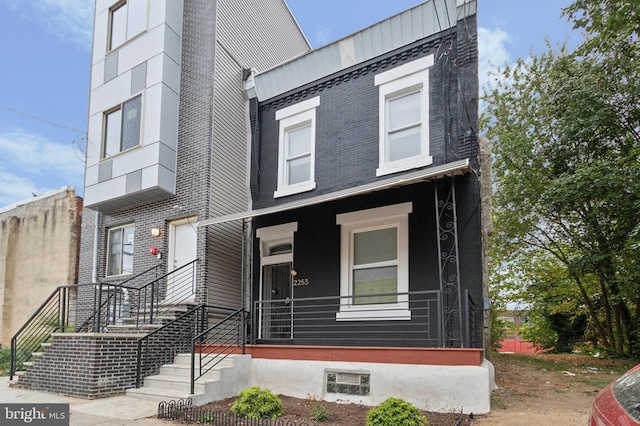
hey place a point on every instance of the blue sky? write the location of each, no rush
(45, 63)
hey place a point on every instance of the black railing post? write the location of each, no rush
(152, 301)
(62, 323)
(12, 362)
(99, 309)
(193, 366)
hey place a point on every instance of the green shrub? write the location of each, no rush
(5, 361)
(395, 411)
(257, 403)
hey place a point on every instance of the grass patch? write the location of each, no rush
(570, 362)
(497, 403)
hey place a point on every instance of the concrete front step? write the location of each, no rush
(174, 381)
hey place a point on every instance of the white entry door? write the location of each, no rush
(183, 239)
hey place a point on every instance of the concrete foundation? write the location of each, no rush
(435, 388)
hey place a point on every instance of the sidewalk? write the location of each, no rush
(114, 411)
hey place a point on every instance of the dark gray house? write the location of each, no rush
(364, 237)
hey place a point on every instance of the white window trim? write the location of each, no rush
(277, 234)
(377, 218)
(127, 37)
(402, 80)
(108, 253)
(120, 107)
(297, 115)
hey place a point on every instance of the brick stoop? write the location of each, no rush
(173, 382)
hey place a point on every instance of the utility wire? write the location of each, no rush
(43, 120)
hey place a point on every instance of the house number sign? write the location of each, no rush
(300, 282)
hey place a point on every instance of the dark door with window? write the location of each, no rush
(276, 308)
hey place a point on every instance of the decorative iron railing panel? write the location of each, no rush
(449, 267)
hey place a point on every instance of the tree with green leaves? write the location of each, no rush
(565, 128)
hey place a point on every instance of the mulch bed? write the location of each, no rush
(339, 414)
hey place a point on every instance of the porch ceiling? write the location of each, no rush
(450, 169)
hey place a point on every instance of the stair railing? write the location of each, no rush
(113, 303)
(52, 316)
(213, 345)
(163, 344)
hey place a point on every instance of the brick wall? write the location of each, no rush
(86, 366)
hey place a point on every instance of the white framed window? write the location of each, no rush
(120, 249)
(122, 127)
(127, 19)
(404, 117)
(296, 152)
(374, 263)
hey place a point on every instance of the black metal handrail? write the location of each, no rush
(213, 345)
(52, 316)
(135, 304)
(137, 301)
(163, 344)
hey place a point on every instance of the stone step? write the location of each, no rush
(185, 359)
(180, 370)
(158, 394)
(178, 383)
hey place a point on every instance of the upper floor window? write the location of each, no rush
(122, 127)
(127, 19)
(296, 152)
(374, 263)
(404, 117)
(120, 250)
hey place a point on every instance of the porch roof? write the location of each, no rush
(449, 169)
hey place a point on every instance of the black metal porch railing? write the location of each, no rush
(213, 345)
(416, 320)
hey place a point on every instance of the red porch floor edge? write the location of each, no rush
(393, 355)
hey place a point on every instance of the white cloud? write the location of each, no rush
(493, 50)
(69, 20)
(33, 164)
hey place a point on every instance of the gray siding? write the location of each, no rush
(259, 33)
(228, 183)
(246, 32)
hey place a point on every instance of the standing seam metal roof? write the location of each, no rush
(402, 29)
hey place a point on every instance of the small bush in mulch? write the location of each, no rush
(395, 411)
(257, 403)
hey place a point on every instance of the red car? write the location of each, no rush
(619, 403)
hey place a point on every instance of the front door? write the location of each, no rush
(276, 295)
(183, 239)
